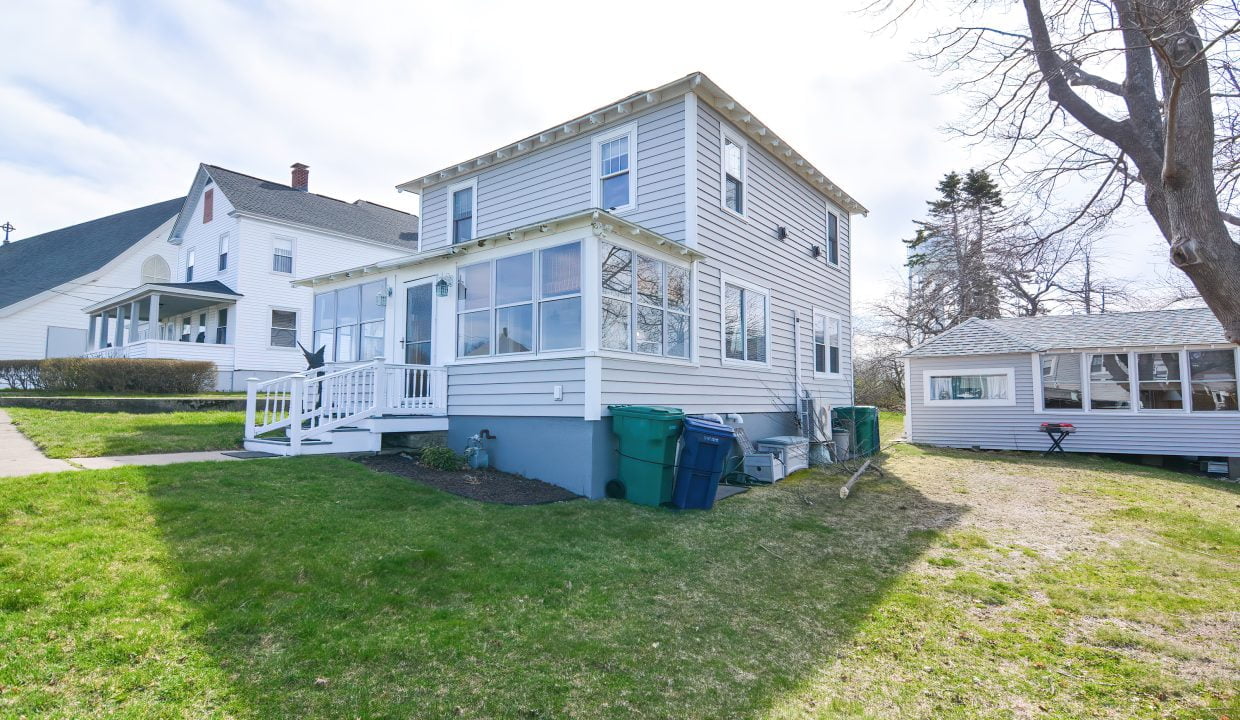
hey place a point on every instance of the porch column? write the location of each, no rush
(152, 328)
(118, 339)
(134, 314)
(92, 334)
(103, 330)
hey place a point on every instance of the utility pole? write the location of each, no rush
(7, 227)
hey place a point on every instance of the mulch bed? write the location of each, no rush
(485, 485)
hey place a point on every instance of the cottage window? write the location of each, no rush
(826, 344)
(1110, 386)
(1159, 383)
(833, 238)
(1213, 377)
(1061, 382)
(734, 160)
(504, 305)
(645, 304)
(464, 208)
(744, 323)
(989, 386)
(613, 169)
(283, 328)
(223, 260)
(189, 266)
(282, 255)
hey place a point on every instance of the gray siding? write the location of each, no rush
(747, 249)
(1016, 427)
(557, 181)
(517, 388)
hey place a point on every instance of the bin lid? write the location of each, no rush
(784, 440)
(657, 412)
(709, 426)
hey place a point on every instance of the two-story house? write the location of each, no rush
(237, 244)
(668, 249)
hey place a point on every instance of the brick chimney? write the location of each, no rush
(301, 177)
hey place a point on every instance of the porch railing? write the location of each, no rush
(309, 404)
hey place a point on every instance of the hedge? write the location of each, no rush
(109, 375)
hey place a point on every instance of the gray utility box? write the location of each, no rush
(764, 467)
(791, 450)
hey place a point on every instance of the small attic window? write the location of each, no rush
(208, 206)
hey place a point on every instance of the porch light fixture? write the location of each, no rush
(815, 250)
(441, 287)
(781, 232)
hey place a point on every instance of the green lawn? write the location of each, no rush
(961, 585)
(67, 434)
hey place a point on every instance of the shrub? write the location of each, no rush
(126, 375)
(439, 457)
(20, 374)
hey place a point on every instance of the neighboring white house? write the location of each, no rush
(235, 248)
(46, 279)
(667, 249)
(1143, 383)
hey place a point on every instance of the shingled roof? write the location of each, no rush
(42, 262)
(1194, 326)
(360, 219)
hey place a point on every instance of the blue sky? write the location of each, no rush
(108, 106)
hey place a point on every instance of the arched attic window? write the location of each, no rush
(155, 270)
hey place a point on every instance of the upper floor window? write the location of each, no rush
(646, 304)
(189, 266)
(745, 320)
(520, 303)
(223, 264)
(208, 206)
(282, 255)
(1213, 376)
(464, 204)
(734, 160)
(826, 344)
(155, 270)
(614, 187)
(833, 239)
(989, 386)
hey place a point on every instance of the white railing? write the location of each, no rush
(309, 404)
(108, 352)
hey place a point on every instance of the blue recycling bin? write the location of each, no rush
(706, 450)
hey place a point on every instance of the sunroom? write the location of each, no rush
(191, 321)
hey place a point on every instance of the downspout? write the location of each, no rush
(796, 369)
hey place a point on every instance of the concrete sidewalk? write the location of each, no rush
(104, 463)
(19, 456)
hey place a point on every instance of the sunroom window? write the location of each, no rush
(349, 322)
(1061, 382)
(1159, 381)
(1213, 376)
(1110, 386)
(645, 304)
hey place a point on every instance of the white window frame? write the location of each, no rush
(827, 230)
(726, 134)
(191, 257)
(596, 166)
(453, 189)
(632, 351)
(296, 326)
(1009, 372)
(725, 280)
(292, 248)
(839, 325)
(222, 253)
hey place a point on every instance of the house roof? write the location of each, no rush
(264, 198)
(210, 289)
(621, 110)
(1193, 326)
(42, 262)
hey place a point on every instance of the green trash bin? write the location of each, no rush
(862, 423)
(648, 437)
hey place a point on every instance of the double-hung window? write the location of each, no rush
(349, 322)
(189, 266)
(521, 303)
(1110, 385)
(646, 303)
(1159, 381)
(614, 187)
(463, 206)
(1213, 377)
(223, 263)
(734, 161)
(221, 327)
(988, 386)
(283, 328)
(745, 320)
(826, 344)
(833, 238)
(282, 255)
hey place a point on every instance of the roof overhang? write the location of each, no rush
(599, 221)
(621, 110)
(144, 291)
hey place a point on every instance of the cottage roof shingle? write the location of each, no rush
(360, 219)
(42, 262)
(1194, 326)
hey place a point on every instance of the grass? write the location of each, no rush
(312, 587)
(68, 434)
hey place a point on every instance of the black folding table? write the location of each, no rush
(1057, 432)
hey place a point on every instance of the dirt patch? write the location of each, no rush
(485, 485)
